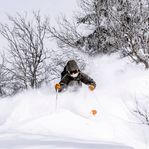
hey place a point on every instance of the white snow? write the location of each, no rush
(29, 120)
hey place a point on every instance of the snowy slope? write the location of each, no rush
(29, 120)
(30, 141)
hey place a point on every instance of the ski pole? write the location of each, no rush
(57, 87)
(56, 100)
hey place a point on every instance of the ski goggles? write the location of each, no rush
(73, 72)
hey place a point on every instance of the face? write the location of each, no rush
(74, 73)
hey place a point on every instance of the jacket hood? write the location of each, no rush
(71, 66)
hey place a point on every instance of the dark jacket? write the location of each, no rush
(68, 80)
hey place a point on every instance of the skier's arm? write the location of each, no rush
(64, 82)
(87, 80)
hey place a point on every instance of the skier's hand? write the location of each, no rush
(91, 87)
(57, 86)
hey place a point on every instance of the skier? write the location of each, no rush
(72, 76)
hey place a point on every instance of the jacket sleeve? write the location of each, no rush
(64, 82)
(87, 80)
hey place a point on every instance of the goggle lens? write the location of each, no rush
(73, 72)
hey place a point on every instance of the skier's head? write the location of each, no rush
(72, 68)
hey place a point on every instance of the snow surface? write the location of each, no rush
(29, 120)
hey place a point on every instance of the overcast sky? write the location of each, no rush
(51, 8)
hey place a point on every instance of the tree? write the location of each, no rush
(3, 79)
(106, 26)
(95, 16)
(141, 111)
(131, 21)
(27, 52)
(66, 35)
(93, 19)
